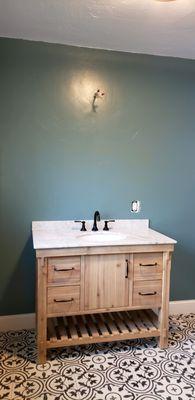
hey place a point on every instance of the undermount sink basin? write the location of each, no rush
(102, 237)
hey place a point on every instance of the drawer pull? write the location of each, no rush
(147, 294)
(63, 269)
(148, 265)
(127, 268)
(63, 301)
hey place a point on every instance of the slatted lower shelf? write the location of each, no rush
(105, 327)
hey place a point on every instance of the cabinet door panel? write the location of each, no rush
(106, 281)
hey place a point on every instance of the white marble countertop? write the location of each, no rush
(67, 234)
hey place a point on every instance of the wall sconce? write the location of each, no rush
(97, 95)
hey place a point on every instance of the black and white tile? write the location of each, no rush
(132, 370)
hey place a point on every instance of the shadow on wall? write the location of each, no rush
(21, 283)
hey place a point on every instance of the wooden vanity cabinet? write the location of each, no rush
(99, 294)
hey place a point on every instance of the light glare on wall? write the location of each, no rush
(83, 86)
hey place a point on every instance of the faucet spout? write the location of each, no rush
(96, 218)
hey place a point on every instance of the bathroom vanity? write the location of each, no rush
(100, 286)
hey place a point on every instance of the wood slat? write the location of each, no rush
(143, 316)
(61, 328)
(51, 329)
(75, 322)
(153, 318)
(128, 320)
(112, 326)
(86, 325)
(102, 326)
(95, 323)
(82, 327)
(106, 323)
(55, 324)
(92, 327)
(72, 330)
(115, 323)
(130, 325)
(120, 323)
(137, 322)
(67, 330)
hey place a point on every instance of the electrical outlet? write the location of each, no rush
(135, 206)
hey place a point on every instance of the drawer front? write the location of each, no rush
(65, 270)
(147, 293)
(63, 300)
(148, 266)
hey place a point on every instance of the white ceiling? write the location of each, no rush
(164, 27)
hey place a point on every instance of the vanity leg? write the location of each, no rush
(164, 310)
(41, 310)
(41, 353)
(163, 339)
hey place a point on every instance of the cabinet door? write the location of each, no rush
(106, 281)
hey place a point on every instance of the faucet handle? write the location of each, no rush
(83, 228)
(106, 224)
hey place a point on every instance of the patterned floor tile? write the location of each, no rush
(132, 370)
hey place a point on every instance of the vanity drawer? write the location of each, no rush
(64, 270)
(147, 293)
(63, 300)
(148, 266)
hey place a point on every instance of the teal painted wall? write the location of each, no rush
(62, 160)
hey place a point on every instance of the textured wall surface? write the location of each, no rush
(62, 159)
